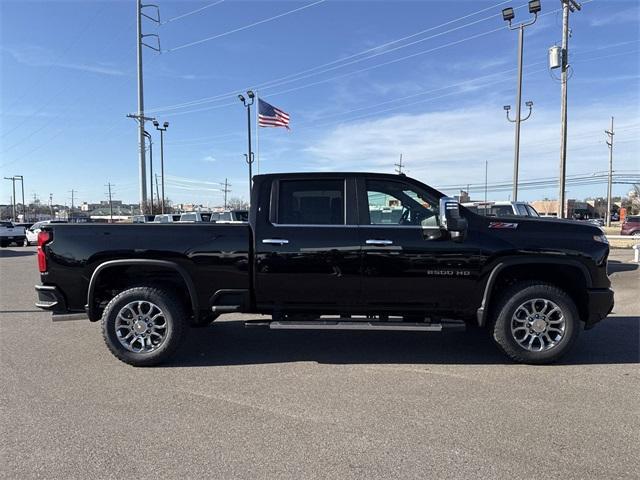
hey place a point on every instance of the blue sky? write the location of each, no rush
(69, 78)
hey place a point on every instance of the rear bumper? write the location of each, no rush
(13, 239)
(50, 298)
(599, 306)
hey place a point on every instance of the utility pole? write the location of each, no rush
(51, 205)
(142, 160)
(72, 202)
(399, 165)
(140, 115)
(13, 198)
(34, 212)
(567, 6)
(610, 133)
(109, 185)
(158, 192)
(226, 190)
(486, 176)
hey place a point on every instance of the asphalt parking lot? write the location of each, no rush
(259, 404)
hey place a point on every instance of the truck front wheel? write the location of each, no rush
(143, 326)
(535, 323)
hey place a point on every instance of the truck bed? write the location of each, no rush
(214, 256)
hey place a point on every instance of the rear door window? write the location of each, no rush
(502, 211)
(311, 202)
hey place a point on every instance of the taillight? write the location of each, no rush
(43, 238)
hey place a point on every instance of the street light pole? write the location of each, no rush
(249, 155)
(165, 125)
(13, 199)
(24, 207)
(508, 14)
(148, 135)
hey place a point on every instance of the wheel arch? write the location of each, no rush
(570, 275)
(142, 264)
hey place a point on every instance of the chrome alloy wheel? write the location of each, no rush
(141, 326)
(538, 325)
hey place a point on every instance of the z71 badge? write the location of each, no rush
(503, 225)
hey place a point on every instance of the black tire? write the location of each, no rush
(504, 313)
(174, 315)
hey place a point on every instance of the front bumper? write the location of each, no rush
(600, 304)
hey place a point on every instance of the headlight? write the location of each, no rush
(601, 238)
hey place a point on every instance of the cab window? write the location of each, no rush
(397, 203)
(311, 202)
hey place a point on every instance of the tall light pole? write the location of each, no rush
(249, 155)
(610, 133)
(165, 125)
(567, 6)
(508, 14)
(148, 135)
(24, 207)
(13, 199)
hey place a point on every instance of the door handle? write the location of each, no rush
(275, 241)
(379, 242)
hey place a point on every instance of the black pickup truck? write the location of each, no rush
(333, 251)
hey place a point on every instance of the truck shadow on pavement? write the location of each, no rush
(10, 252)
(615, 340)
(616, 266)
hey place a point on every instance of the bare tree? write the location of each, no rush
(237, 204)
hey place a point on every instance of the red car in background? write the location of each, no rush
(631, 226)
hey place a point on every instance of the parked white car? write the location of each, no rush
(32, 232)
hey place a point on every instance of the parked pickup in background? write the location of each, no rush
(502, 209)
(312, 256)
(10, 233)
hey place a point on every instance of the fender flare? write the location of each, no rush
(91, 309)
(482, 311)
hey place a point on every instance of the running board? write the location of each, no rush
(350, 325)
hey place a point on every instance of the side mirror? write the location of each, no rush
(450, 218)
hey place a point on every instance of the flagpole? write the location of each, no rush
(257, 134)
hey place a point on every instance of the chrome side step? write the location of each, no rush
(354, 325)
(67, 317)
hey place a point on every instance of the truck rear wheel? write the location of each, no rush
(143, 326)
(535, 323)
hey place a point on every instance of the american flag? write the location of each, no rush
(270, 116)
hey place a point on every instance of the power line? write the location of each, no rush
(245, 27)
(264, 84)
(347, 74)
(197, 10)
(315, 123)
(344, 75)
